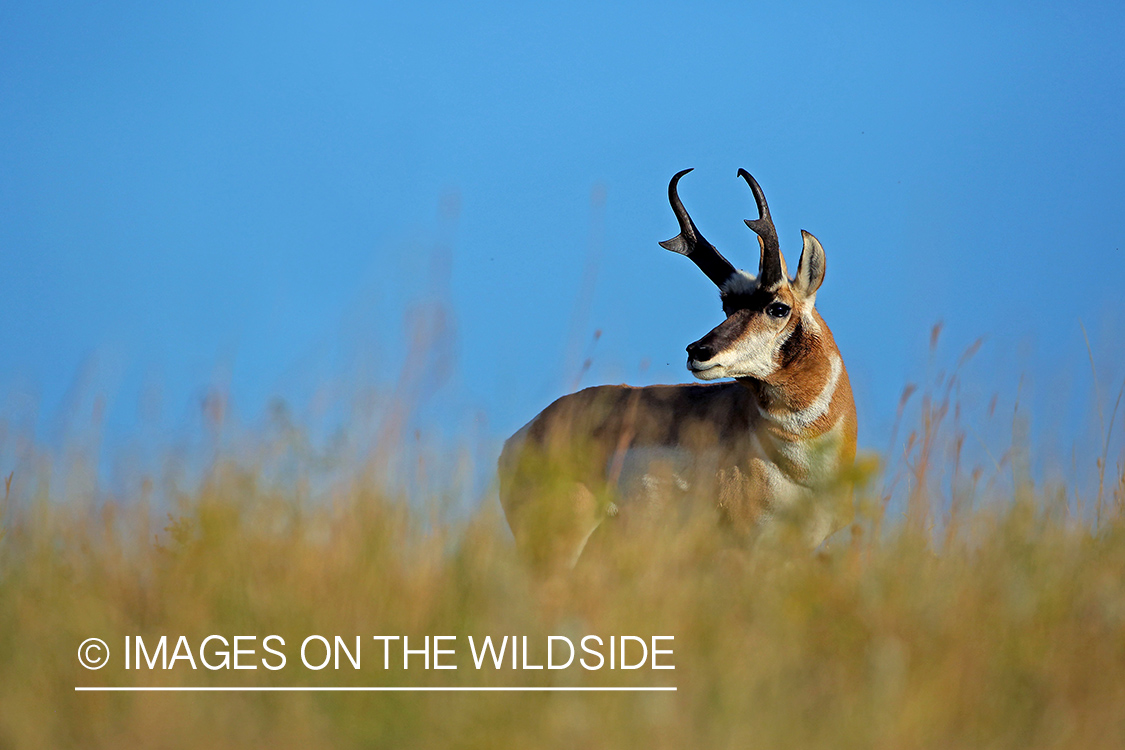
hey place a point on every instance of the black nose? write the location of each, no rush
(700, 352)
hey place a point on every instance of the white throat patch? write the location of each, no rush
(797, 421)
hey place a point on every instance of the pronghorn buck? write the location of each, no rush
(765, 449)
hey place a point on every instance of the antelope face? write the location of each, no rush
(748, 343)
(763, 312)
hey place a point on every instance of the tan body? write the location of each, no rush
(751, 464)
(770, 444)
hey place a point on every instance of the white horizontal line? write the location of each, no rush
(382, 689)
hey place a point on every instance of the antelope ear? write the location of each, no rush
(810, 271)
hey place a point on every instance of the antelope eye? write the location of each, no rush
(777, 310)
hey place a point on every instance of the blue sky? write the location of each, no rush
(258, 197)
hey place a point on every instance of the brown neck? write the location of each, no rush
(806, 369)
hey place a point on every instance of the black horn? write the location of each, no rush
(690, 242)
(770, 270)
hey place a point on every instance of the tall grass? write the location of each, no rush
(976, 618)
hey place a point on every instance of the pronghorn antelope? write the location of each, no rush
(768, 444)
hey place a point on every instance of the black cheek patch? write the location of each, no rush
(795, 345)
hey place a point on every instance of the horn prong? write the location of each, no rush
(691, 243)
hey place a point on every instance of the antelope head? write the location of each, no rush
(764, 312)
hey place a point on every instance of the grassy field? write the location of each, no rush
(972, 619)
